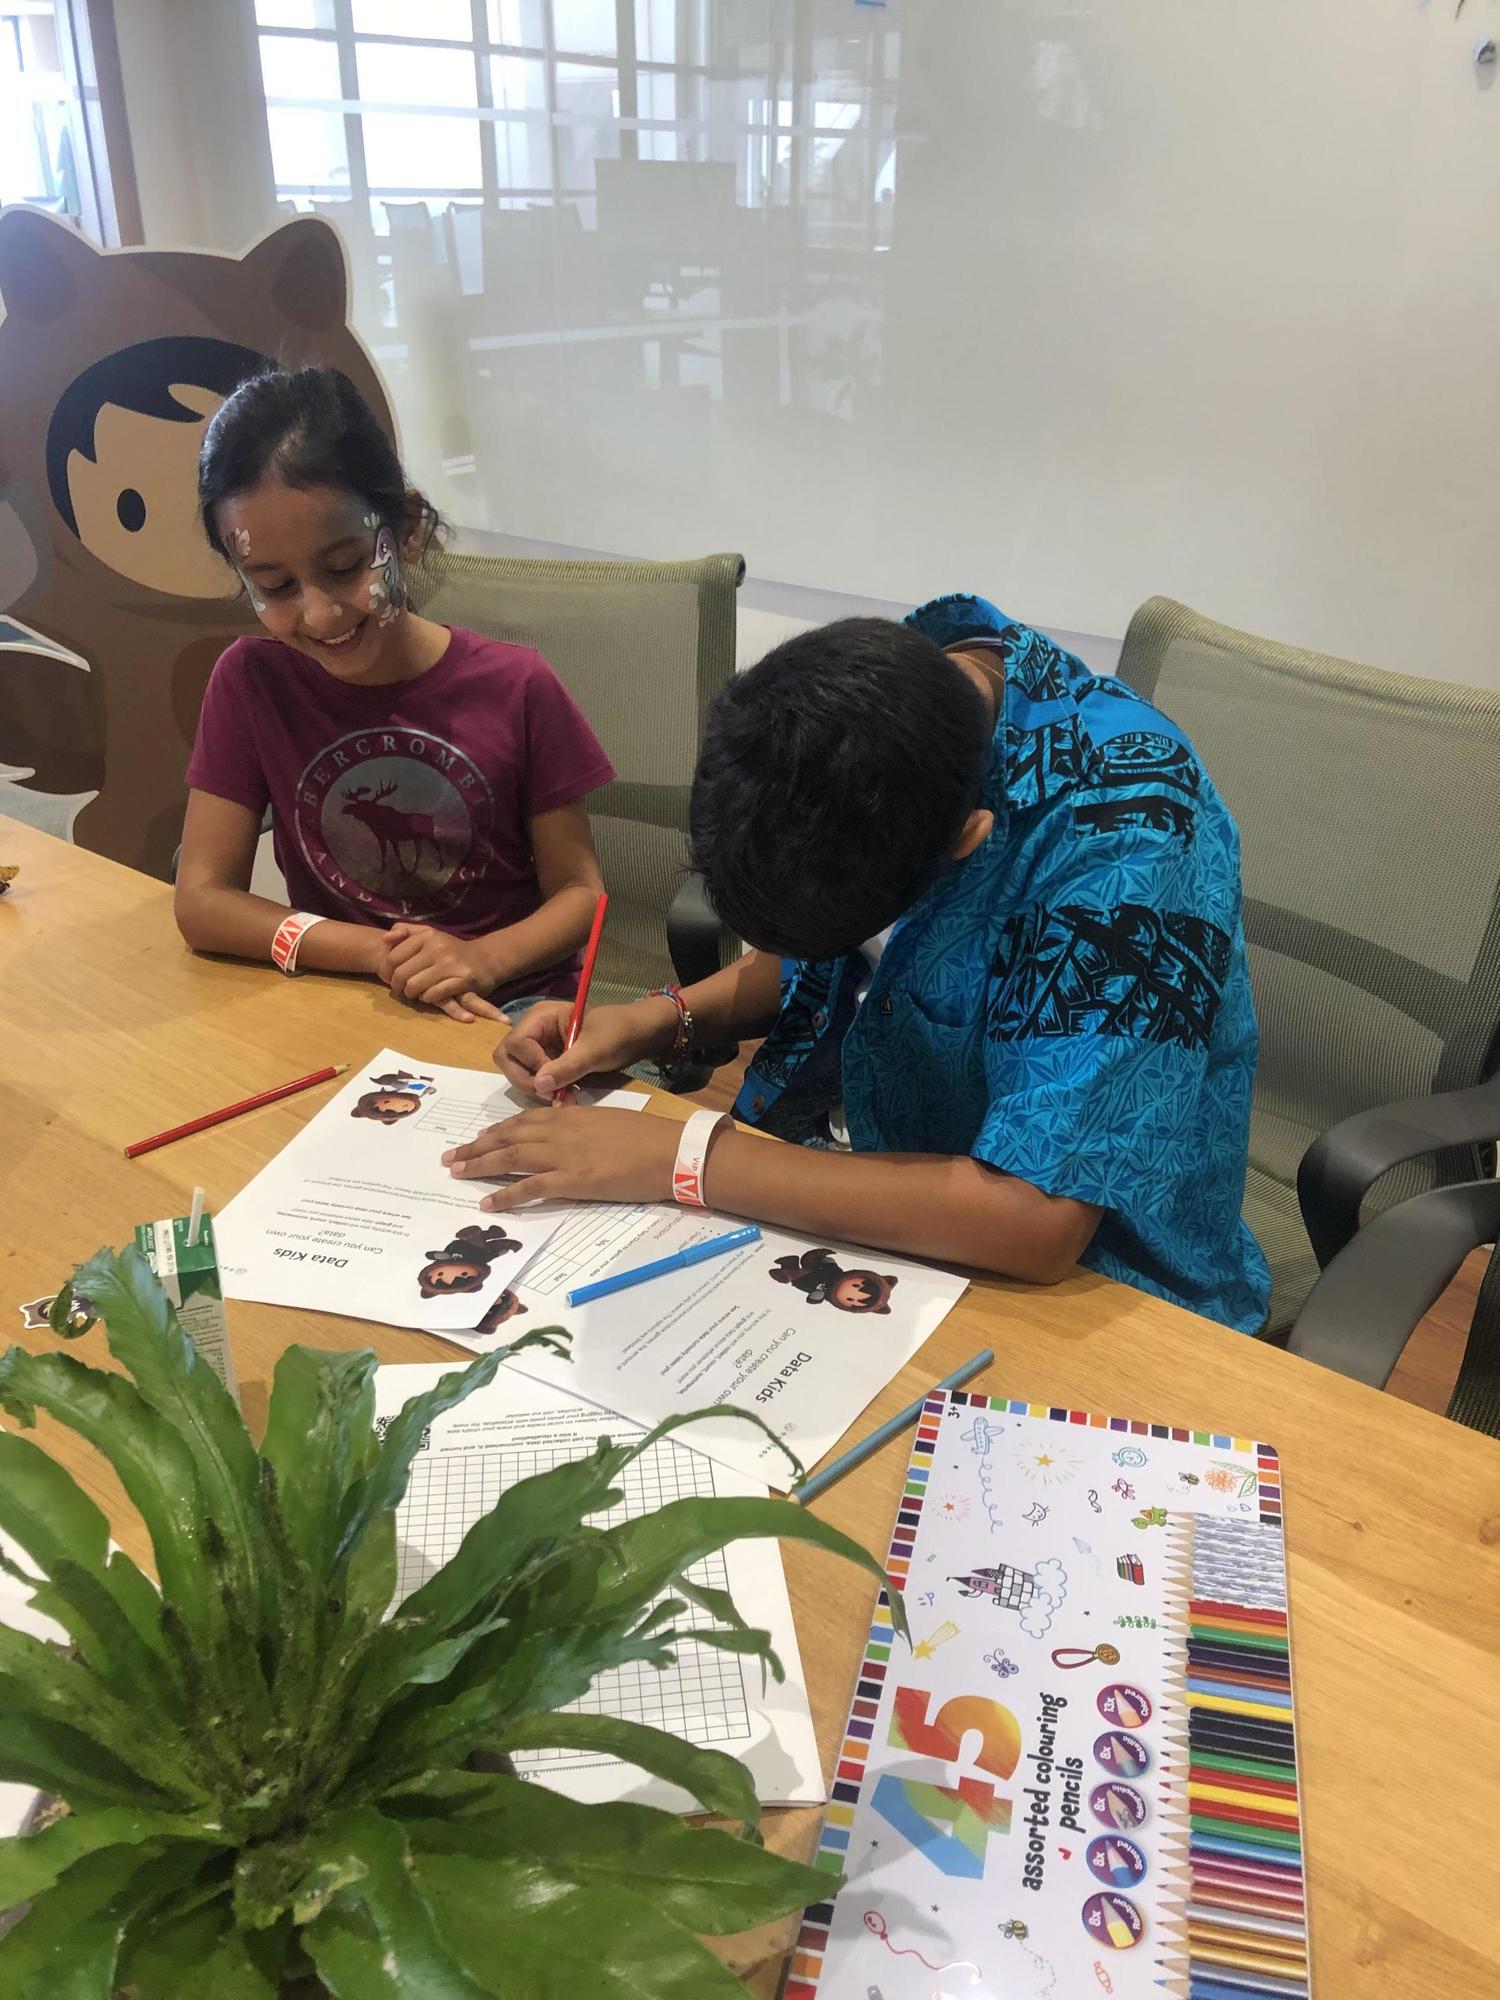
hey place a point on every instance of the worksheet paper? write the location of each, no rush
(803, 1334)
(517, 1427)
(359, 1215)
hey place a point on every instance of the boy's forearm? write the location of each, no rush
(740, 1001)
(954, 1211)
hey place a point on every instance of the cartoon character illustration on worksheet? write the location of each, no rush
(112, 363)
(464, 1265)
(826, 1283)
(1033, 1594)
(386, 1107)
(507, 1306)
(405, 1079)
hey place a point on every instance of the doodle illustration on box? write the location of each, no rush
(1033, 1594)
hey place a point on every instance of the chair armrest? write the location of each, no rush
(1338, 1170)
(1359, 1314)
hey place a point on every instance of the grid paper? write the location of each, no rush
(702, 1699)
(587, 1245)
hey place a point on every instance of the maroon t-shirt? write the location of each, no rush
(404, 803)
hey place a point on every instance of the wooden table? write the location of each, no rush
(112, 1030)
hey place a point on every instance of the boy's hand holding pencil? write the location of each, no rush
(535, 1057)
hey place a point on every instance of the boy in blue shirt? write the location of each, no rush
(994, 905)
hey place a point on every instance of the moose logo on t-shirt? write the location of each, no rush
(387, 817)
(390, 826)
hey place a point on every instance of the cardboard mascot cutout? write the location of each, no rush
(111, 364)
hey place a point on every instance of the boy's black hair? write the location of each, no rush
(834, 784)
(139, 378)
(305, 427)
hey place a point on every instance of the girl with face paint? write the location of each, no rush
(426, 785)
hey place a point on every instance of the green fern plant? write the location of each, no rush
(271, 1780)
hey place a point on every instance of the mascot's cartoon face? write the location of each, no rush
(124, 478)
(463, 1264)
(111, 364)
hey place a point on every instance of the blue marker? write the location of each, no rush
(680, 1260)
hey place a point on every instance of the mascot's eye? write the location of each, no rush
(131, 509)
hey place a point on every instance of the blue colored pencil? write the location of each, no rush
(680, 1260)
(903, 1420)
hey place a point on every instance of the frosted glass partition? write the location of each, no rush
(1068, 300)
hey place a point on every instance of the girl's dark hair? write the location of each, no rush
(305, 427)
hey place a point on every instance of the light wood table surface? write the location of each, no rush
(112, 1030)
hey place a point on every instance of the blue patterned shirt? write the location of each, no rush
(1071, 1002)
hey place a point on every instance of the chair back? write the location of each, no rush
(1369, 821)
(643, 648)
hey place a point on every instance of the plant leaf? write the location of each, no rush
(173, 1379)
(67, 1945)
(45, 1510)
(680, 1418)
(719, 1604)
(197, 1958)
(164, 1959)
(39, 1678)
(34, 1750)
(530, 1935)
(236, 1970)
(706, 1880)
(385, 1482)
(747, 1639)
(32, 1862)
(719, 1782)
(155, 1466)
(146, 1338)
(106, 1640)
(532, 1510)
(320, 1440)
(346, 1948)
(641, 1557)
(414, 1959)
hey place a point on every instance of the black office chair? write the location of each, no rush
(1363, 1308)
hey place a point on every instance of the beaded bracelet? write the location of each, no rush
(683, 1040)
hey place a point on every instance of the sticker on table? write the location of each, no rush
(1124, 1704)
(1117, 1750)
(1113, 1920)
(1117, 1805)
(1114, 1860)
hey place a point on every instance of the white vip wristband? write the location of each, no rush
(288, 939)
(692, 1153)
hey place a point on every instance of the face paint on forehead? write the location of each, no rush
(240, 543)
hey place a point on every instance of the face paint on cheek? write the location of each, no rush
(387, 594)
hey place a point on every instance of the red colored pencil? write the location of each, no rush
(591, 953)
(233, 1110)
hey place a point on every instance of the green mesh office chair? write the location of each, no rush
(1369, 817)
(643, 648)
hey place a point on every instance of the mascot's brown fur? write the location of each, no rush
(111, 363)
